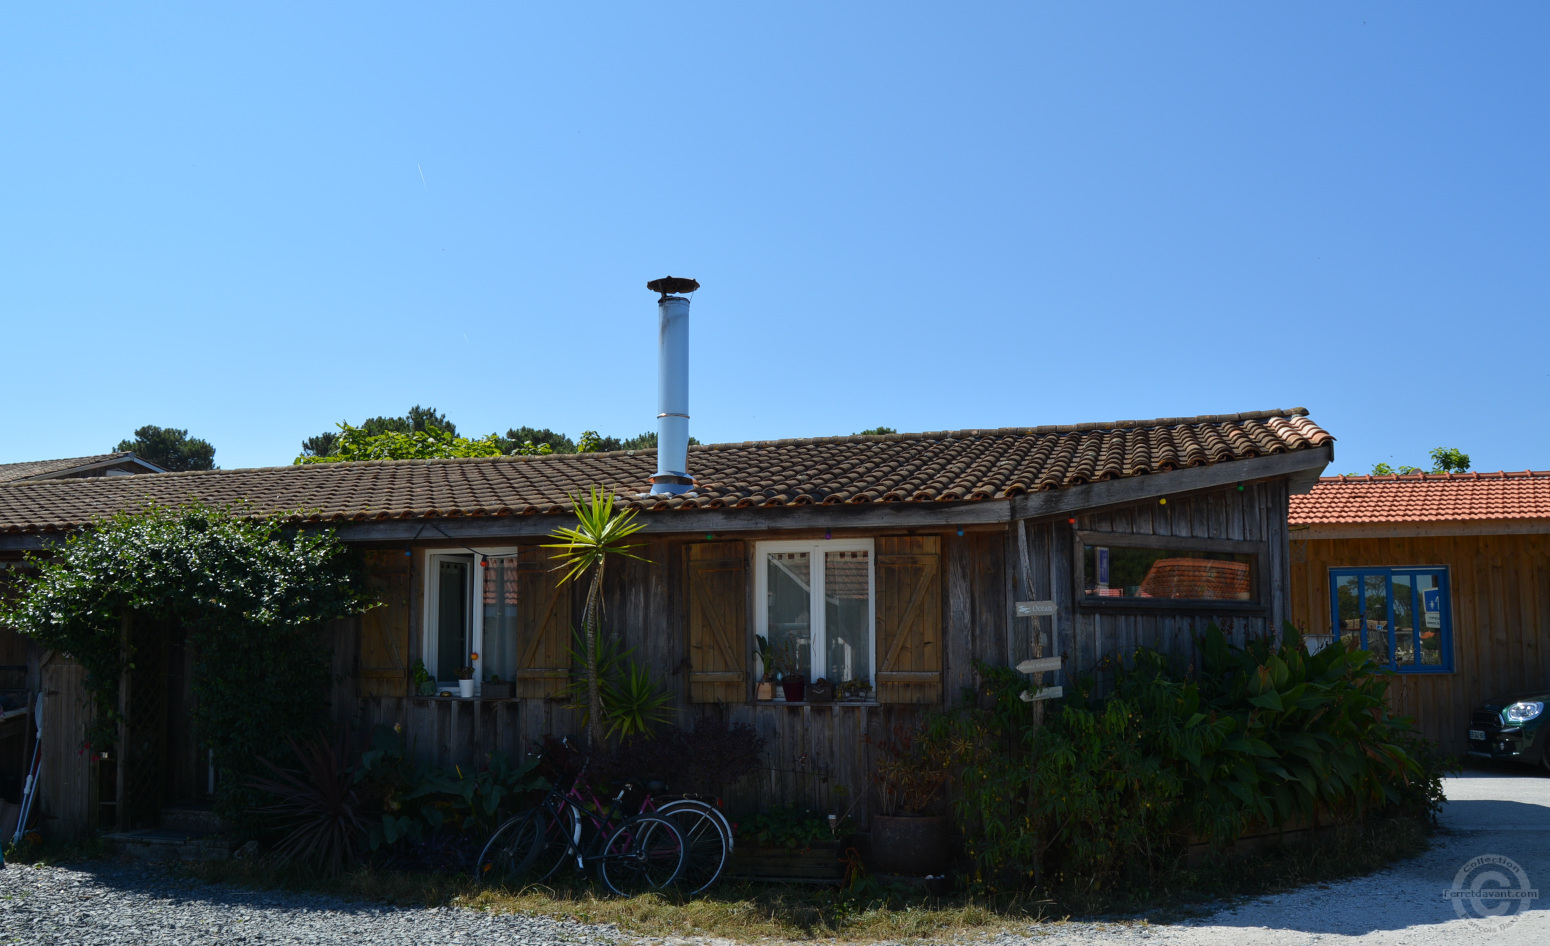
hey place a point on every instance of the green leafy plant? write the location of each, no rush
(634, 704)
(1265, 736)
(420, 674)
(315, 804)
(790, 827)
(910, 773)
(599, 536)
(466, 673)
(251, 593)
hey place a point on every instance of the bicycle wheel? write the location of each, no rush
(707, 845)
(509, 850)
(643, 854)
(556, 846)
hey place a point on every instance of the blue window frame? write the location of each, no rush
(1402, 616)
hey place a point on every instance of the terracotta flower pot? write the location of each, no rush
(913, 845)
(765, 690)
(794, 687)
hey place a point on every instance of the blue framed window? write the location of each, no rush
(1402, 616)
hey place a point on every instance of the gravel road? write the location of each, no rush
(1505, 813)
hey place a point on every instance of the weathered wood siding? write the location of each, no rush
(66, 790)
(820, 754)
(1500, 587)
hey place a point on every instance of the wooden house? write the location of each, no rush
(899, 560)
(1445, 577)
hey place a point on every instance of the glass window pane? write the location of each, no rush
(1429, 592)
(1375, 612)
(451, 619)
(790, 610)
(1114, 572)
(1348, 604)
(499, 656)
(846, 619)
(1404, 621)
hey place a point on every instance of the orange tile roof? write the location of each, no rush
(969, 465)
(1424, 497)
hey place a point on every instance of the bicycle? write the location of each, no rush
(536, 843)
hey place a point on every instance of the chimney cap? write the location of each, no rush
(672, 284)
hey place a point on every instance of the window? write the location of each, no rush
(1136, 569)
(817, 606)
(470, 608)
(1399, 615)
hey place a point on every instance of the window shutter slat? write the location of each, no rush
(909, 619)
(718, 625)
(384, 630)
(543, 627)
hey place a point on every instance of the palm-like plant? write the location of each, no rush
(599, 536)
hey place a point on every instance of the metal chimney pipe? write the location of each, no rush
(672, 474)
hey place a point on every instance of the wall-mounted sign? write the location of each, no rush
(1103, 566)
(1048, 693)
(1034, 609)
(1431, 604)
(1041, 665)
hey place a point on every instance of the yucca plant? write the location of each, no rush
(598, 537)
(317, 803)
(633, 702)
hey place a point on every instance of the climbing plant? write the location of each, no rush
(251, 594)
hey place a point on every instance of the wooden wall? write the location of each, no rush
(819, 754)
(1500, 586)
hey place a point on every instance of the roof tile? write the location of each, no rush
(1424, 497)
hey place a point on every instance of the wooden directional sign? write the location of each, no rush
(1035, 609)
(1042, 665)
(1048, 693)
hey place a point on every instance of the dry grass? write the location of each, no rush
(762, 913)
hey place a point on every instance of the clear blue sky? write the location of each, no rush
(254, 223)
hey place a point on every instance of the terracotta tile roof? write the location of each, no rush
(11, 472)
(1424, 497)
(969, 465)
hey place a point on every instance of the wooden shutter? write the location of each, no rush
(543, 626)
(909, 619)
(718, 622)
(384, 643)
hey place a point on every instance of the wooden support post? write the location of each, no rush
(1036, 649)
(120, 801)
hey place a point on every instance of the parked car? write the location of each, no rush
(1513, 728)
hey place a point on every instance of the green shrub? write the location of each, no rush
(1113, 787)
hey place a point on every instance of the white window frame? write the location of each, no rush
(428, 638)
(818, 643)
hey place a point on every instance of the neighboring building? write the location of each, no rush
(1445, 577)
(898, 559)
(106, 464)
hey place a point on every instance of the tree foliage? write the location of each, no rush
(874, 432)
(252, 596)
(170, 448)
(1444, 460)
(432, 443)
(518, 441)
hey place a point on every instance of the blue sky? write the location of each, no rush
(254, 222)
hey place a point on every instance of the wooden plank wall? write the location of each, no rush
(1257, 513)
(1500, 587)
(822, 755)
(66, 794)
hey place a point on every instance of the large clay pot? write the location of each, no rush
(912, 845)
(794, 687)
(765, 690)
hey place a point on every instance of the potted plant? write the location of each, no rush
(793, 686)
(465, 682)
(821, 691)
(497, 689)
(789, 844)
(424, 683)
(766, 687)
(910, 836)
